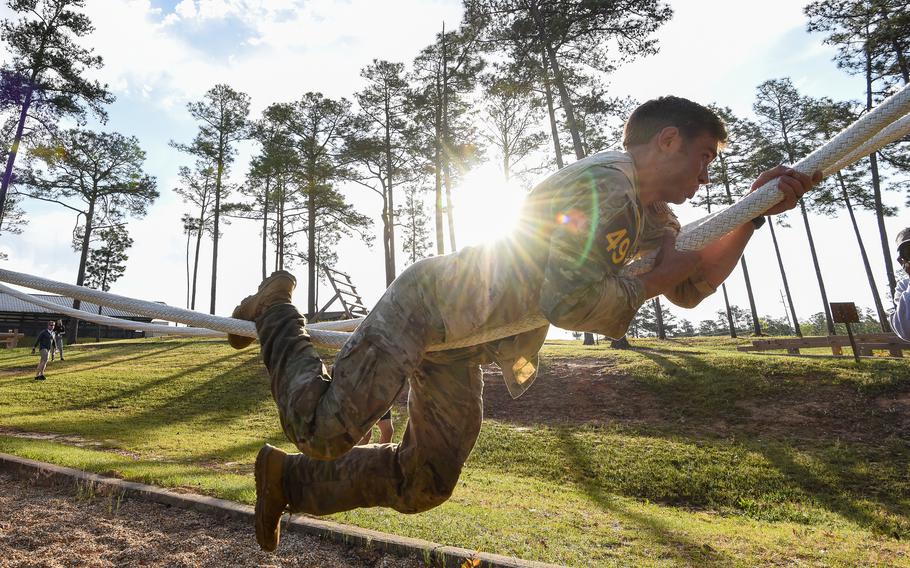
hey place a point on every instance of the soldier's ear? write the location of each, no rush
(669, 138)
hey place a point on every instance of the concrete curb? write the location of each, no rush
(435, 555)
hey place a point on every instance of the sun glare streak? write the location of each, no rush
(486, 207)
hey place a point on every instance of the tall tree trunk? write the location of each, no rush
(730, 322)
(898, 52)
(450, 207)
(188, 235)
(265, 224)
(569, 110)
(390, 257)
(216, 236)
(437, 158)
(783, 277)
(83, 259)
(826, 309)
(756, 324)
(386, 239)
(818, 272)
(14, 147)
(876, 181)
(659, 318)
(876, 297)
(311, 251)
(554, 131)
(196, 260)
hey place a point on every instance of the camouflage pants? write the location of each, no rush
(326, 416)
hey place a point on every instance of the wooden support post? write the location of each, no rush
(852, 343)
(845, 313)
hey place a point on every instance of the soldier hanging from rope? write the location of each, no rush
(577, 230)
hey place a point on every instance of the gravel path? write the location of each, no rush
(56, 527)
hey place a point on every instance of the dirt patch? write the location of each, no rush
(588, 391)
(52, 526)
(570, 392)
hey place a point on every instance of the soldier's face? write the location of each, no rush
(686, 167)
(903, 257)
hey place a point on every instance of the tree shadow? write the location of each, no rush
(218, 400)
(673, 542)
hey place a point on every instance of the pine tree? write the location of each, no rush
(444, 79)
(783, 118)
(872, 38)
(97, 175)
(222, 117)
(197, 187)
(107, 261)
(382, 144)
(44, 75)
(319, 128)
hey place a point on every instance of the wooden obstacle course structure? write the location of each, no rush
(866, 343)
(345, 293)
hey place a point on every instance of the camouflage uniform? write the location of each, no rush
(578, 229)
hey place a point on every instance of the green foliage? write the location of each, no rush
(45, 56)
(107, 260)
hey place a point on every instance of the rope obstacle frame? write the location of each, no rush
(887, 122)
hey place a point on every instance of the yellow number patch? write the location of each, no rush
(618, 242)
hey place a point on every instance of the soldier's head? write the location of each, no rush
(673, 140)
(50, 325)
(903, 249)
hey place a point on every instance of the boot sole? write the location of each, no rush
(262, 536)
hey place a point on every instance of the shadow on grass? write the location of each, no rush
(103, 354)
(841, 487)
(208, 406)
(673, 542)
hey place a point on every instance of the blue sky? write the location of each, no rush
(160, 55)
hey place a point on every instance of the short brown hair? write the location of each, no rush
(691, 118)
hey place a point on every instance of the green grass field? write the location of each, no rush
(704, 455)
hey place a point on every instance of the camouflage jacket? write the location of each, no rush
(577, 230)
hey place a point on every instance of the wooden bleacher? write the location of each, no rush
(865, 344)
(10, 339)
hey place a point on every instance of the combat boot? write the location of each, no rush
(276, 289)
(270, 499)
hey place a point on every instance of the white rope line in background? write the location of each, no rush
(329, 338)
(872, 131)
(113, 322)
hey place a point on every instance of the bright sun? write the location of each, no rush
(486, 207)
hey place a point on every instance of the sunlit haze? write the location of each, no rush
(487, 207)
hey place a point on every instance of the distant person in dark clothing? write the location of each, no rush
(45, 341)
(59, 333)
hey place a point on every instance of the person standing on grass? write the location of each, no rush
(386, 430)
(900, 318)
(45, 341)
(578, 229)
(59, 333)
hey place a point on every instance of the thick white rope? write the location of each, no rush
(155, 310)
(113, 322)
(894, 131)
(849, 144)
